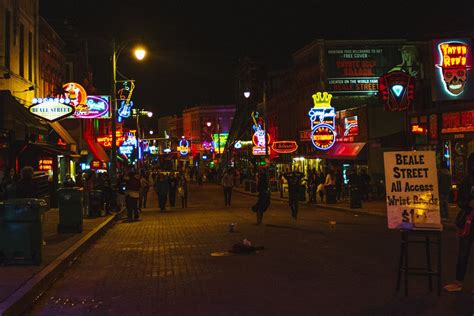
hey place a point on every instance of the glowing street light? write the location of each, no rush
(247, 94)
(208, 124)
(149, 114)
(151, 132)
(140, 53)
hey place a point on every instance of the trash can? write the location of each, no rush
(71, 209)
(21, 231)
(355, 196)
(331, 194)
(96, 204)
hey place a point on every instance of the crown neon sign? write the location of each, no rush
(323, 121)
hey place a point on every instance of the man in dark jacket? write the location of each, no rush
(294, 182)
(466, 204)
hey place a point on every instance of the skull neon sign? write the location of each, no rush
(453, 65)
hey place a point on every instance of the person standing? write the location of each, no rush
(365, 183)
(294, 182)
(465, 232)
(26, 187)
(330, 187)
(263, 201)
(162, 189)
(144, 187)
(183, 191)
(444, 188)
(173, 186)
(133, 195)
(339, 181)
(227, 184)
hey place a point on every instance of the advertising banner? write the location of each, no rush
(411, 184)
(356, 69)
(95, 107)
(452, 70)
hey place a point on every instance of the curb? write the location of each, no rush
(447, 226)
(25, 295)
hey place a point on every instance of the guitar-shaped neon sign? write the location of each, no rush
(124, 111)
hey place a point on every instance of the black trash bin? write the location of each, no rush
(21, 231)
(96, 204)
(331, 194)
(355, 196)
(71, 209)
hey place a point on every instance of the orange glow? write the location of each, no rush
(417, 129)
(454, 55)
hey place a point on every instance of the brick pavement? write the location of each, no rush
(162, 266)
(13, 277)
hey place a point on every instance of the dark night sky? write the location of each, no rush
(195, 45)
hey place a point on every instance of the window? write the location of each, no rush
(30, 56)
(22, 50)
(7, 38)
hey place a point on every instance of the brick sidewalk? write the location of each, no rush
(14, 277)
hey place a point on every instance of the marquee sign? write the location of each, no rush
(285, 146)
(323, 121)
(94, 107)
(75, 92)
(453, 64)
(183, 146)
(397, 90)
(51, 109)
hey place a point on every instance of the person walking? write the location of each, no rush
(444, 188)
(227, 184)
(162, 189)
(133, 195)
(465, 229)
(183, 191)
(173, 186)
(263, 200)
(294, 182)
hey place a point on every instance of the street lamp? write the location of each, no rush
(140, 54)
(151, 132)
(247, 94)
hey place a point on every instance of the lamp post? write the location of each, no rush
(140, 54)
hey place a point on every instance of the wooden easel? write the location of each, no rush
(427, 237)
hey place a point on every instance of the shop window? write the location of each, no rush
(22, 51)
(30, 56)
(7, 38)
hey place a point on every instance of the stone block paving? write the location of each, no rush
(161, 265)
(14, 276)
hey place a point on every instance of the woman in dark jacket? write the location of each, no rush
(466, 204)
(263, 201)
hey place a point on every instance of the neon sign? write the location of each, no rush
(454, 62)
(285, 147)
(45, 165)
(351, 126)
(323, 121)
(75, 92)
(94, 107)
(260, 142)
(51, 109)
(183, 146)
(397, 90)
(124, 110)
(219, 141)
(106, 141)
(418, 129)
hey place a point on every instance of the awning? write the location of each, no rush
(16, 117)
(344, 151)
(349, 151)
(62, 132)
(50, 149)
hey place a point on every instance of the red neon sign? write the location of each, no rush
(285, 147)
(106, 141)
(417, 129)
